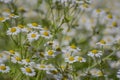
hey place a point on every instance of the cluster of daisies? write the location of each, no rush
(82, 39)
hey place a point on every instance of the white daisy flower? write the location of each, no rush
(3, 19)
(3, 57)
(41, 66)
(95, 53)
(29, 71)
(16, 59)
(23, 28)
(70, 59)
(33, 36)
(98, 13)
(25, 61)
(73, 48)
(50, 67)
(13, 16)
(50, 53)
(4, 69)
(45, 34)
(101, 43)
(96, 72)
(34, 26)
(13, 53)
(80, 59)
(13, 31)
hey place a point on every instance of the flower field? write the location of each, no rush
(59, 40)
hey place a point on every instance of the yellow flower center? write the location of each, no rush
(28, 70)
(114, 24)
(110, 16)
(2, 18)
(42, 66)
(35, 24)
(33, 35)
(13, 30)
(58, 49)
(11, 15)
(3, 67)
(98, 10)
(20, 26)
(100, 73)
(73, 46)
(12, 51)
(102, 42)
(71, 58)
(80, 59)
(18, 58)
(50, 43)
(54, 71)
(27, 60)
(50, 52)
(46, 33)
(85, 5)
(94, 51)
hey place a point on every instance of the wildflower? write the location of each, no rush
(96, 72)
(16, 59)
(13, 16)
(25, 61)
(98, 13)
(13, 31)
(73, 48)
(33, 36)
(23, 28)
(46, 34)
(34, 26)
(70, 59)
(4, 68)
(41, 67)
(13, 53)
(3, 19)
(95, 53)
(50, 53)
(29, 71)
(101, 43)
(80, 59)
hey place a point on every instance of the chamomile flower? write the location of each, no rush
(13, 31)
(33, 36)
(95, 53)
(85, 7)
(3, 19)
(16, 59)
(3, 57)
(73, 48)
(29, 71)
(34, 26)
(80, 59)
(101, 43)
(25, 61)
(23, 28)
(70, 59)
(50, 53)
(13, 16)
(96, 72)
(4, 68)
(45, 34)
(13, 53)
(41, 66)
(98, 13)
